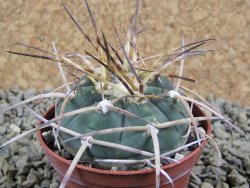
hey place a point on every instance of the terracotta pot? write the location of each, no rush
(87, 177)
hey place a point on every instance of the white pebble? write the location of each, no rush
(15, 128)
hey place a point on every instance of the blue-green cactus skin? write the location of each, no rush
(154, 110)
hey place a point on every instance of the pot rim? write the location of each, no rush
(102, 171)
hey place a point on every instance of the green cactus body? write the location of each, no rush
(154, 110)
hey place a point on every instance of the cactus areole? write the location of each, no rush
(151, 111)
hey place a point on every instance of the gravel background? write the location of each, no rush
(23, 164)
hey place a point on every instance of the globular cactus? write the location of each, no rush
(152, 111)
(127, 101)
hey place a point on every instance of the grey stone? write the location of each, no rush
(241, 171)
(246, 185)
(15, 128)
(204, 175)
(3, 130)
(29, 93)
(32, 179)
(25, 150)
(193, 185)
(12, 117)
(5, 153)
(3, 94)
(211, 179)
(45, 159)
(223, 178)
(38, 164)
(220, 101)
(245, 127)
(19, 112)
(234, 161)
(12, 171)
(10, 134)
(35, 151)
(4, 105)
(47, 172)
(227, 168)
(34, 122)
(22, 160)
(234, 113)
(206, 185)
(23, 165)
(36, 148)
(3, 179)
(242, 117)
(4, 166)
(27, 126)
(15, 89)
(45, 183)
(54, 185)
(246, 163)
(237, 162)
(40, 172)
(2, 119)
(25, 169)
(195, 179)
(35, 157)
(200, 163)
(220, 131)
(247, 109)
(15, 99)
(240, 152)
(9, 184)
(20, 179)
(236, 179)
(237, 143)
(228, 107)
(215, 102)
(14, 148)
(244, 147)
(23, 142)
(210, 98)
(222, 184)
(198, 169)
(214, 160)
(55, 177)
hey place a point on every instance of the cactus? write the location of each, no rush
(152, 111)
